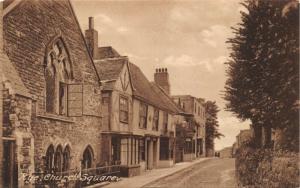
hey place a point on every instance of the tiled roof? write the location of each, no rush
(11, 76)
(166, 99)
(148, 92)
(106, 52)
(109, 70)
(109, 65)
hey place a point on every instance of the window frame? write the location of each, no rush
(143, 114)
(57, 75)
(126, 111)
(142, 150)
(165, 121)
(155, 123)
(63, 100)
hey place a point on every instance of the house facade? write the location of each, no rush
(137, 131)
(191, 141)
(48, 75)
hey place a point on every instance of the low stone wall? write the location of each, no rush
(165, 163)
(267, 168)
(131, 170)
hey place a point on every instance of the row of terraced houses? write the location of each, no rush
(68, 105)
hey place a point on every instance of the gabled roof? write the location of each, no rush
(109, 64)
(10, 5)
(109, 70)
(106, 52)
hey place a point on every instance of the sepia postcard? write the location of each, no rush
(149, 94)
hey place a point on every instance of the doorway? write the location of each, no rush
(10, 172)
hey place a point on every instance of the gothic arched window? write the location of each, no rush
(58, 72)
(50, 159)
(87, 159)
(58, 159)
(66, 159)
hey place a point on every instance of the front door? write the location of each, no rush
(154, 153)
(9, 165)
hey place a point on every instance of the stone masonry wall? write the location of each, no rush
(29, 28)
(17, 124)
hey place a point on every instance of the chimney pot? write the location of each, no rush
(162, 79)
(91, 22)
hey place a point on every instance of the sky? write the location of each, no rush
(187, 37)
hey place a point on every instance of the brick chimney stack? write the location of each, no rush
(161, 78)
(91, 37)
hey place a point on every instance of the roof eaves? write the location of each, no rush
(149, 102)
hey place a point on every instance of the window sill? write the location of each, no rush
(55, 117)
(125, 122)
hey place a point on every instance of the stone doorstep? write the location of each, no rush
(167, 174)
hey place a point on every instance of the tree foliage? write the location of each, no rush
(263, 74)
(212, 124)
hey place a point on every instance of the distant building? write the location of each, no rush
(243, 136)
(226, 152)
(192, 132)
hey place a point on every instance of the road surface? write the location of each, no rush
(212, 173)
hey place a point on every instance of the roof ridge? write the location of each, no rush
(111, 58)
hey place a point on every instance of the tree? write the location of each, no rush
(211, 125)
(263, 74)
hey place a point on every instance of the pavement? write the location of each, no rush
(150, 176)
